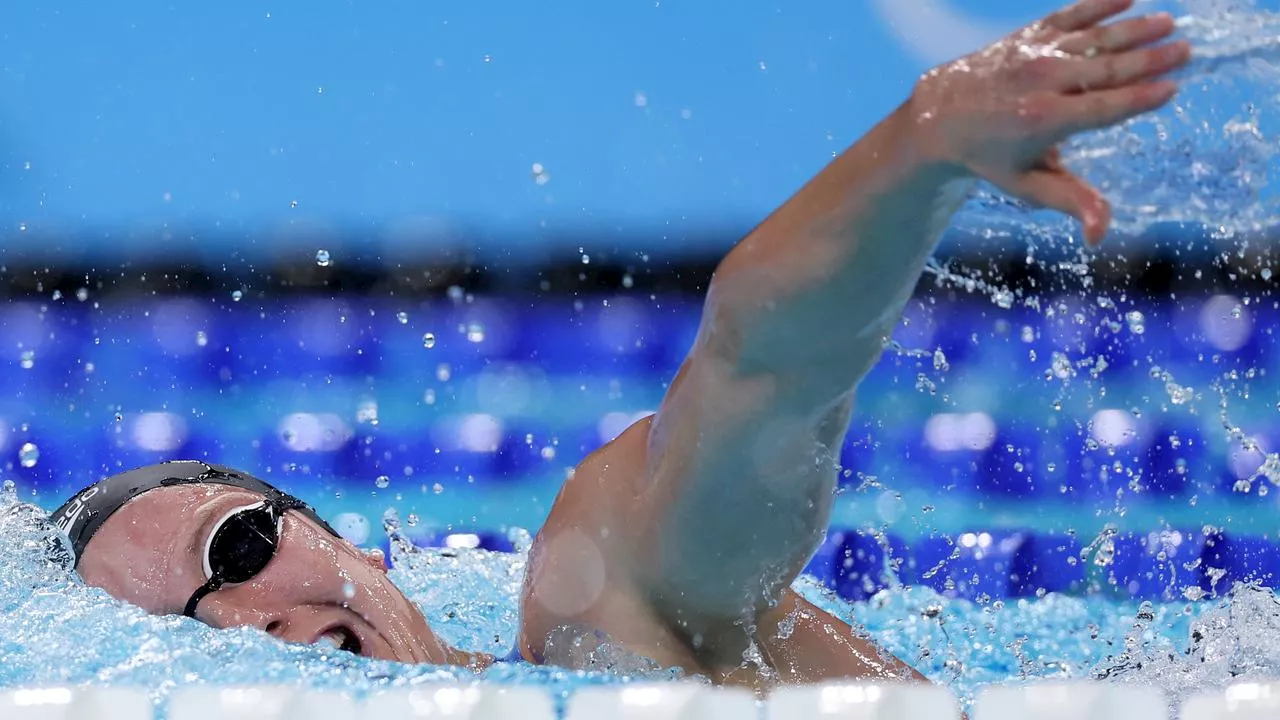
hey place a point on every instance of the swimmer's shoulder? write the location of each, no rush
(577, 571)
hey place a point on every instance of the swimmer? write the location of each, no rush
(679, 541)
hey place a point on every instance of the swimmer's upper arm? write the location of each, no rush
(739, 468)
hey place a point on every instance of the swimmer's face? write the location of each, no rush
(316, 588)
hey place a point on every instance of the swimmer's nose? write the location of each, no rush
(296, 625)
(219, 613)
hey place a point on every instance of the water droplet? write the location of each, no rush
(322, 258)
(1137, 322)
(1003, 298)
(29, 455)
(540, 174)
(437, 488)
(455, 293)
(940, 361)
(9, 487)
(1266, 273)
(236, 295)
(429, 397)
(293, 203)
(412, 519)
(82, 294)
(348, 590)
(383, 482)
(402, 317)
(28, 359)
(1062, 366)
(202, 338)
(429, 340)
(475, 333)
(444, 372)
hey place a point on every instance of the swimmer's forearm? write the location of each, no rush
(817, 287)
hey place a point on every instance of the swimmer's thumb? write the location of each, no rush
(1058, 189)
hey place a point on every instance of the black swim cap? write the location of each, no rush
(82, 515)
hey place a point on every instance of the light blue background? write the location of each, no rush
(645, 114)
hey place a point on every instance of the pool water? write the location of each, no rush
(1059, 480)
(56, 631)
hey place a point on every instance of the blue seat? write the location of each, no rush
(1229, 558)
(41, 352)
(678, 320)
(165, 347)
(1047, 562)
(858, 454)
(1218, 326)
(308, 447)
(533, 447)
(441, 453)
(599, 335)
(971, 566)
(1014, 466)
(305, 338)
(1236, 474)
(142, 439)
(862, 567)
(1177, 456)
(1152, 566)
(51, 460)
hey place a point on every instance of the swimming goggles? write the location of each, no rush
(241, 544)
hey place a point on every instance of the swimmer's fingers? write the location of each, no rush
(1118, 37)
(1072, 114)
(1085, 14)
(1107, 72)
(1060, 190)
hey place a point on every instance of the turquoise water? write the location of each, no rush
(54, 630)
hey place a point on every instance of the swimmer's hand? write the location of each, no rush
(1001, 112)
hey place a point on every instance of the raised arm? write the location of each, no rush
(740, 468)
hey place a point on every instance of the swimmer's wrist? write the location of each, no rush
(922, 134)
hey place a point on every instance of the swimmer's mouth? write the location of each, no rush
(341, 638)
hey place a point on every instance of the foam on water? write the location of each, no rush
(53, 629)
